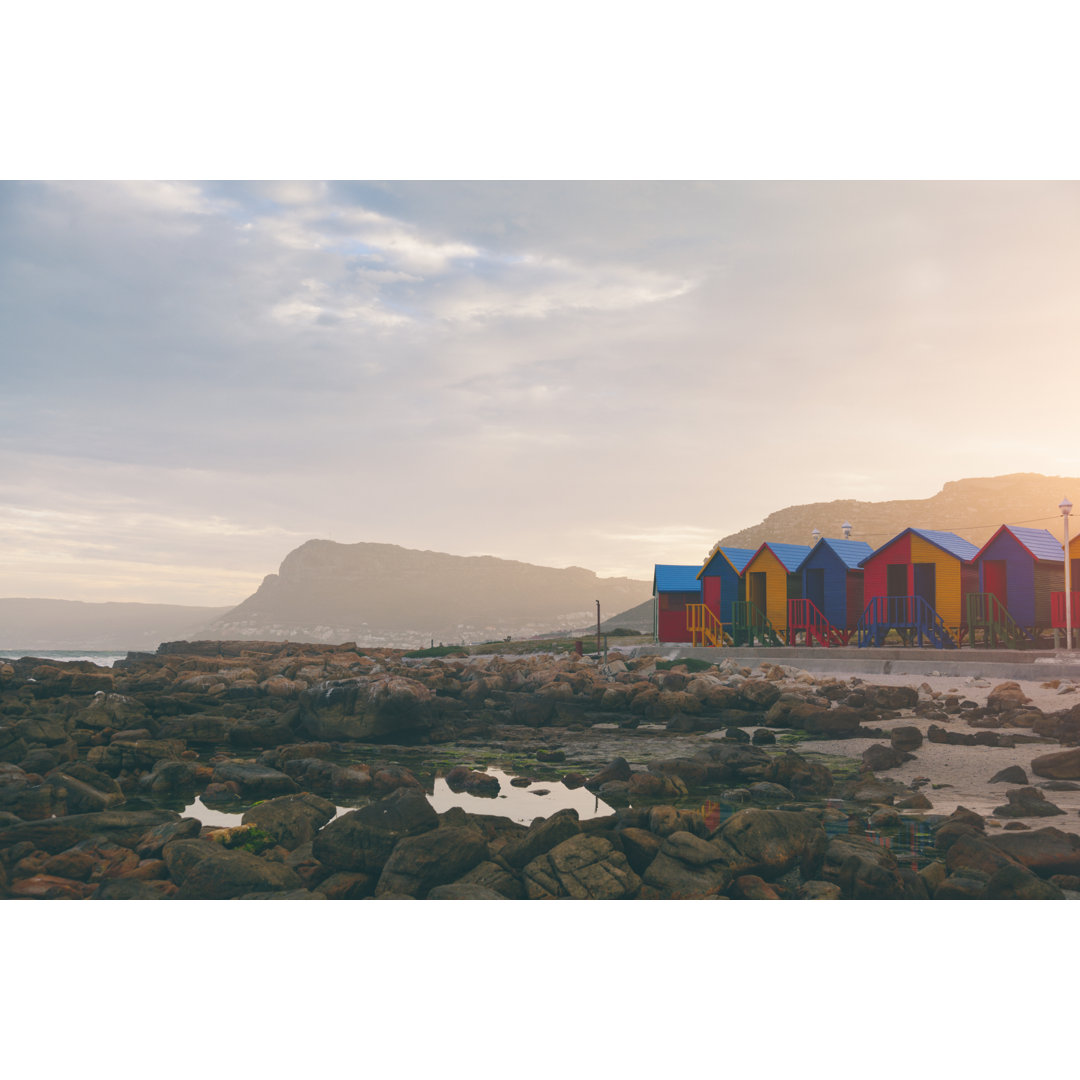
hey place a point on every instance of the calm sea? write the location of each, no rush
(102, 659)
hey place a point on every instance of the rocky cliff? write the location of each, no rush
(382, 594)
(972, 508)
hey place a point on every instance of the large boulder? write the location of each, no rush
(1046, 851)
(1026, 802)
(772, 842)
(801, 777)
(438, 857)
(291, 820)
(223, 874)
(543, 834)
(255, 781)
(1062, 765)
(688, 867)
(1019, 883)
(862, 869)
(364, 708)
(126, 827)
(583, 867)
(361, 840)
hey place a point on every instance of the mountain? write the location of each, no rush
(28, 624)
(382, 594)
(974, 509)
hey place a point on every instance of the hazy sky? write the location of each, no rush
(198, 377)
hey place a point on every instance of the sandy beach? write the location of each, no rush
(960, 775)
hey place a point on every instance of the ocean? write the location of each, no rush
(102, 659)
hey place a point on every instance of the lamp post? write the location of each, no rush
(1065, 507)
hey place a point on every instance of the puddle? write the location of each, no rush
(520, 804)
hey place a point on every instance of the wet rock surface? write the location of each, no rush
(708, 796)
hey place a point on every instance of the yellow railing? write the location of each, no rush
(703, 626)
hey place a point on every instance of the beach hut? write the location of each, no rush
(721, 585)
(916, 584)
(1057, 599)
(770, 580)
(832, 592)
(675, 587)
(1019, 569)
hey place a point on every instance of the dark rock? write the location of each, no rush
(763, 737)
(736, 734)
(54, 835)
(1062, 765)
(687, 867)
(802, 777)
(772, 842)
(133, 889)
(153, 841)
(891, 697)
(362, 840)
(1014, 882)
(291, 820)
(347, 886)
(863, 870)
(44, 887)
(751, 887)
(1046, 851)
(461, 891)
(490, 875)
(764, 791)
(975, 852)
(758, 693)
(1027, 802)
(573, 780)
(617, 769)
(543, 834)
(222, 874)
(551, 755)
(437, 857)
(1014, 774)
(819, 890)
(640, 847)
(583, 867)
(880, 757)
(905, 738)
(918, 801)
(391, 778)
(963, 885)
(255, 781)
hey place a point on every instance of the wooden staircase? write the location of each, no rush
(806, 616)
(750, 625)
(987, 613)
(911, 616)
(704, 627)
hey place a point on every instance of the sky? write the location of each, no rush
(200, 376)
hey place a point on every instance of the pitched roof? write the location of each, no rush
(962, 549)
(850, 552)
(1040, 543)
(670, 578)
(790, 555)
(737, 558)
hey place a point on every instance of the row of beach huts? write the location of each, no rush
(923, 587)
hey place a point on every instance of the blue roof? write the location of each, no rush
(790, 555)
(963, 549)
(1042, 543)
(738, 557)
(850, 552)
(669, 578)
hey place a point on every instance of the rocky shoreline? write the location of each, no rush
(724, 781)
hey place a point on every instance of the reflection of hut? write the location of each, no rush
(675, 587)
(770, 579)
(1018, 569)
(832, 592)
(916, 584)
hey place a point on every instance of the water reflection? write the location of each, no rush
(521, 804)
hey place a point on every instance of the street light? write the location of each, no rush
(1065, 507)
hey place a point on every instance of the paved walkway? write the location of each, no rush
(991, 663)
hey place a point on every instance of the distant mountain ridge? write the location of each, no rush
(28, 623)
(973, 508)
(383, 594)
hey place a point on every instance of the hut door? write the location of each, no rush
(815, 588)
(926, 582)
(994, 579)
(896, 579)
(757, 589)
